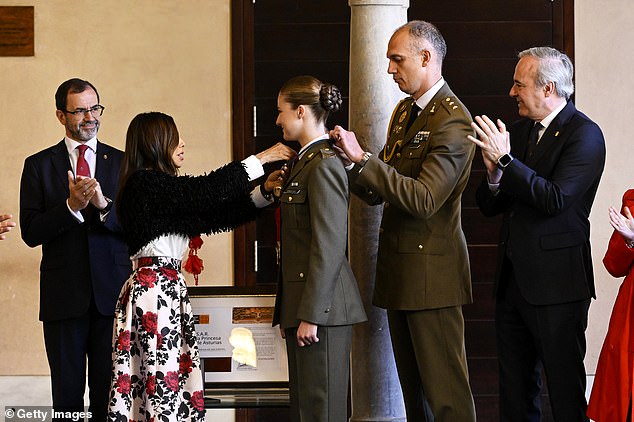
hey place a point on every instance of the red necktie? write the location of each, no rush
(82, 164)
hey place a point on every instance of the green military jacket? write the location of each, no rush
(316, 283)
(419, 177)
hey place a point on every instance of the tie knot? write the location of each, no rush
(82, 149)
(415, 108)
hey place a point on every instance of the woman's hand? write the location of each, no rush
(306, 334)
(6, 224)
(278, 152)
(275, 180)
(623, 223)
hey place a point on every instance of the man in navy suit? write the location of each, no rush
(66, 195)
(542, 174)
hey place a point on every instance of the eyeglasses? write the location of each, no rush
(96, 111)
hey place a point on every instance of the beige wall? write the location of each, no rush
(174, 57)
(143, 55)
(603, 36)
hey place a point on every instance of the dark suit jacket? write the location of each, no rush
(546, 203)
(422, 259)
(79, 260)
(317, 284)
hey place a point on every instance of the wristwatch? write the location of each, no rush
(504, 161)
(364, 159)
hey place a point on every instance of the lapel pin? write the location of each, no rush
(556, 133)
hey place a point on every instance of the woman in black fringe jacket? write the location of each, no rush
(156, 366)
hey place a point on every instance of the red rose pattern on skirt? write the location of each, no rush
(156, 367)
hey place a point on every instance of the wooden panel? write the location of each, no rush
(487, 408)
(477, 76)
(304, 11)
(495, 106)
(483, 376)
(480, 339)
(242, 80)
(17, 31)
(481, 10)
(272, 75)
(483, 307)
(483, 260)
(332, 41)
(488, 40)
(480, 230)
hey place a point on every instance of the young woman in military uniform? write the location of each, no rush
(318, 299)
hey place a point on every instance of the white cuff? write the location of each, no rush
(253, 166)
(258, 199)
(77, 214)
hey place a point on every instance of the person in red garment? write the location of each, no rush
(611, 397)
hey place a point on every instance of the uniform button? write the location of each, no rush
(290, 199)
(327, 310)
(420, 247)
(370, 192)
(387, 204)
(411, 153)
(301, 275)
(398, 155)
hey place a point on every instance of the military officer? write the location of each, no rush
(422, 275)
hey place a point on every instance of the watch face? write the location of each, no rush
(505, 160)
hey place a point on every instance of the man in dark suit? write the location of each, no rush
(423, 276)
(542, 174)
(66, 206)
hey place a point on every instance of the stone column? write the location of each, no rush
(375, 389)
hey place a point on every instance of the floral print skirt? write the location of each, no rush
(156, 367)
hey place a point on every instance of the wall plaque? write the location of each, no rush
(16, 31)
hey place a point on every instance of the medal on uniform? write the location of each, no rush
(420, 137)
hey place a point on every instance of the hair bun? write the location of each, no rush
(330, 97)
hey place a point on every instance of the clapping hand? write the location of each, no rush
(623, 223)
(5, 225)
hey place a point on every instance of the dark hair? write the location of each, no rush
(71, 86)
(150, 142)
(422, 32)
(322, 98)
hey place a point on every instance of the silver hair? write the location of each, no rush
(422, 32)
(553, 66)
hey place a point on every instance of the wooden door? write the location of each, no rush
(274, 40)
